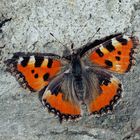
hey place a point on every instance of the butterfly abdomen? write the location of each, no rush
(79, 88)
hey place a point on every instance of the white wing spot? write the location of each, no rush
(126, 37)
(20, 60)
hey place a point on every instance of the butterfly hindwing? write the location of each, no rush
(53, 98)
(115, 53)
(111, 89)
(33, 70)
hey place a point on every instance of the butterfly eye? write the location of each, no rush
(72, 46)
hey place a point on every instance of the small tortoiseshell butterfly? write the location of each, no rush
(78, 77)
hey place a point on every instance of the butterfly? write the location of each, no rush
(80, 77)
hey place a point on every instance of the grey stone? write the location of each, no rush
(25, 25)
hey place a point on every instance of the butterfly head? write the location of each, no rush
(71, 53)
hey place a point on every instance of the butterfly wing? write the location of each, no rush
(114, 52)
(111, 89)
(33, 70)
(58, 98)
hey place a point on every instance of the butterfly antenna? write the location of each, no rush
(94, 34)
(91, 38)
(59, 41)
(82, 28)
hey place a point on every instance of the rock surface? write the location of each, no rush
(25, 25)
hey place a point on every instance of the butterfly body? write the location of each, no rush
(76, 72)
(81, 77)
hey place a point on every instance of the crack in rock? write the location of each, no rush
(66, 132)
(3, 22)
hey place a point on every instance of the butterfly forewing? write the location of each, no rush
(115, 54)
(32, 70)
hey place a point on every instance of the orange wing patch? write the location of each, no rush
(34, 72)
(111, 92)
(63, 108)
(115, 54)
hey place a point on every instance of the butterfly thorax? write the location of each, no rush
(76, 65)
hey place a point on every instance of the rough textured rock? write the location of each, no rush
(25, 26)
